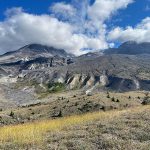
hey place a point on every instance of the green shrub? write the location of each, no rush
(11, 114)
(108, 96)
(113, 99)
(56, 87)
(117, 100)
(146, 100)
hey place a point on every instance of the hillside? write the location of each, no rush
(35, 70)
(126, 129)
(113, 72)
(74, 75)
(63, 104)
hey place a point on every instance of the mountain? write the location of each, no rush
(130, 48)
(109, 72)
(33, 56)
(46, 69)
(32, 51)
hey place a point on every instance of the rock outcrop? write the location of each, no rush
(43, 65)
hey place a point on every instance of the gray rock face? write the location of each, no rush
(42, 65)
(32, 57)
(32, 51)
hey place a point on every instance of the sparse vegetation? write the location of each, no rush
(146, 100)
(56, 87)
(117, 100)
(33, 132)
(74, 96)
(108, 96)
(32, 113)
(11, 114)
(113, 99)
(112, 128)
(69, 105)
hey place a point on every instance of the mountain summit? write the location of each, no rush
(33, 51)
(40, 49)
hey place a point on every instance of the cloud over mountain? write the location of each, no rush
(84, 28)
(141, 33)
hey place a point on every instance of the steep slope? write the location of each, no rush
(117, 72)
(44, 67)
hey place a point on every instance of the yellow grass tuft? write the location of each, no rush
(33, 133)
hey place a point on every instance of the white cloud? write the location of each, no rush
(63, 10)
(13, 11)
(103, 9)
(22, 28)
(141, 33)
(85, 29)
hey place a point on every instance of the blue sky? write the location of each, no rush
(134, 13)
(129, 16)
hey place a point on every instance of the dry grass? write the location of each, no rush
(127, 131)
(34, 133)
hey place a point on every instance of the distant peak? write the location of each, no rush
(42, 48)
(128, 43)
(37, 46)
(130, 48)
(134, 43)
(33, 50)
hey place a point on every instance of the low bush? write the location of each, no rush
(56, 87)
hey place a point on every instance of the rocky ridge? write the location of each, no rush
(41, 67)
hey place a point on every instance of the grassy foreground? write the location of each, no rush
(35, 133)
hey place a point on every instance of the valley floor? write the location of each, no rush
(112, 130)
